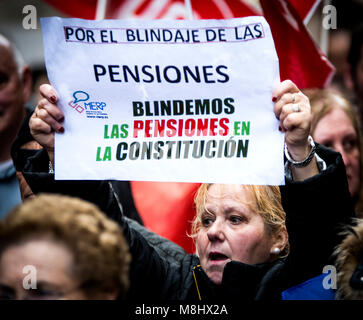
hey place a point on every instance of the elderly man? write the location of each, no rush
(15, 90)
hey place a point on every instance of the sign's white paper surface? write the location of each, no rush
(182, 101)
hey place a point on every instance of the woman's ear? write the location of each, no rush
(196, 247)
(279, 243)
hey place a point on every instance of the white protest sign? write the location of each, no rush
(182, 101)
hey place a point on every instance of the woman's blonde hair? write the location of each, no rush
(266, 202)
(100, 251)
(322, 102)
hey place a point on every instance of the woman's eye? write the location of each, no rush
(236, 219)
(6, 293)
(349, 144)
(4, 78)
(207, 221)
(6, 296)
(42, 294)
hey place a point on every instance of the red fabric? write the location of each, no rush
(85, 9)
(300, 59)
(167, 208)
(303, 8)
(210, 10)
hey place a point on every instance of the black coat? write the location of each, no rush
(315, 208)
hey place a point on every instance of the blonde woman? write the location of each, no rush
(242, 234)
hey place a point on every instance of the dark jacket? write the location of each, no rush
(20, 157)
(315, 208)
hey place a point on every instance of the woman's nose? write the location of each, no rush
(216, 231)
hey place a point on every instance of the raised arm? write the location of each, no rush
(292, 108)
(317, 203)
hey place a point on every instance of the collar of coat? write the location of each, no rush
(240, 281)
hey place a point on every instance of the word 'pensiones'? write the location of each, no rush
(181, 127)
(156, 73)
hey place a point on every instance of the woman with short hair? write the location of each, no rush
(71, 248)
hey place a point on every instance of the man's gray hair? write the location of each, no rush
(18, 58)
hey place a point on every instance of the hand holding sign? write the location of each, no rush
(46, 119)
(296, 125)
(293, 110)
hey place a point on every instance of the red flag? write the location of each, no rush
(155, 9)
(175, 9)
(305, 8)
(220, 9)
(84, 9)
(300, 59)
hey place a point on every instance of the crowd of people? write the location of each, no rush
(86, 239)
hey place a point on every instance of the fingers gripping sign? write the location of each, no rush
(292, 108)
(46, 119)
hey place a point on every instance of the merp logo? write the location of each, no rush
(95, 105)
(94, 109)
(78, 97)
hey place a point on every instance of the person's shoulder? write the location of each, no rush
(166, 249)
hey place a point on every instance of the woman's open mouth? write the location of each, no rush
(217, 256)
